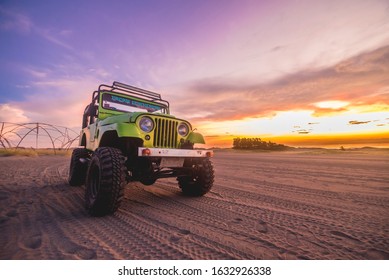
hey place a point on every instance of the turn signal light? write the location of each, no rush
(209, 154)
(146, 152)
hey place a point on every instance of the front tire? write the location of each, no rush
(202, 180)
(106, 178)
(77, 169)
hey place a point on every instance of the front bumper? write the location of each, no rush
(177, 153)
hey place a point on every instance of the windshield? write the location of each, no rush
(128, 104)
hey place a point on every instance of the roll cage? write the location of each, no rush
(91, 111)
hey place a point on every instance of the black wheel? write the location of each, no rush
(105, 181)
(77, 169)
(202, 180)
(147, 181)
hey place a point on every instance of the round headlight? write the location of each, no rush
(183, 129)
(146, 124)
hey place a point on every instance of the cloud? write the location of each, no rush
(358, 122)
(303, 131)
(325, 112)
(19, 22)
(35, 73)
(52, 37)
(226, 99)
(58, 101)
(11, 21)
(372, 62)
(12, 114)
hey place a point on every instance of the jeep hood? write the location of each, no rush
(122, 118)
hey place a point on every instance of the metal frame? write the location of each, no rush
(13, 135)
(118, 87)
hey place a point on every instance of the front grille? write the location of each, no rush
(165, 133)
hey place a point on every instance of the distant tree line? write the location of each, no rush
(256, 144)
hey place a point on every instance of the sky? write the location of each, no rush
(300, 73)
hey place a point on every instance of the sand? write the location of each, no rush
(278, 205)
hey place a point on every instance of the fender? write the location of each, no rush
(122, 130)
(195, 137)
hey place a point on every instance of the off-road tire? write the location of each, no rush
(105, 181)
(77, 169)
(202, 180)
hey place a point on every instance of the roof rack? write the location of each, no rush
(127, 89)
(136, 90)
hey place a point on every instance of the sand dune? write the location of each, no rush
(263, 206)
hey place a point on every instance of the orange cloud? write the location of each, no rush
(359, 81)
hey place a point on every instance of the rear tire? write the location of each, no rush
(202, 180)
(106, 178)
(77, 169)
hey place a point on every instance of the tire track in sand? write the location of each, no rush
(265, 207)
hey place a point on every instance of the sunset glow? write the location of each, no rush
(333, 104)
(306, 73)
(302, 128)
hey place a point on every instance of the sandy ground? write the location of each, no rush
(263, 206)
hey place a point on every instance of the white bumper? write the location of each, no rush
(161, 152)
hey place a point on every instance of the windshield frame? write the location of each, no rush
(129, 104)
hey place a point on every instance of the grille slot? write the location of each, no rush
(165, 133)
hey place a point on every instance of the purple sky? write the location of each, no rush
(221, 64)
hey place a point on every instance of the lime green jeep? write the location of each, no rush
(129, 135)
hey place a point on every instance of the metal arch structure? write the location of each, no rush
(43, 135)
